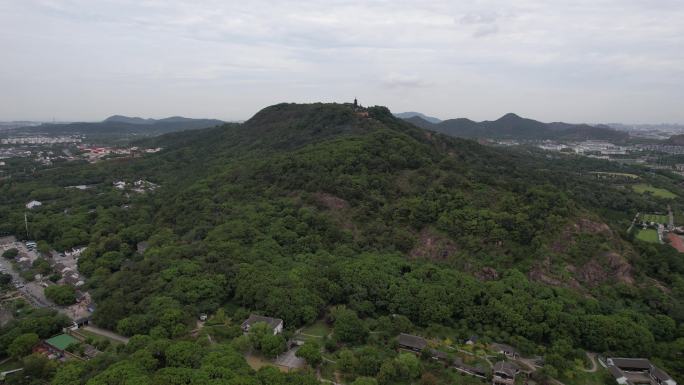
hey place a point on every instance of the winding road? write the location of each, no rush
(594, 367)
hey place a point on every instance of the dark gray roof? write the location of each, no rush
(506, 367)
(503, 347)
(412, 341)
(142, 246)
(631, 363)
(253, 318)
(439, 354)
(616, 372)
(660, 374)
(458, 362)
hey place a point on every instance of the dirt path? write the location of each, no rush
(594, 367)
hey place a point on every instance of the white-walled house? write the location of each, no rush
(276, 324)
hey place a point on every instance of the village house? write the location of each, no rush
(460, 366)
(504, 373)
(506, 350)
(472, 340)
(411, 343)
(58, 344)
(33, 204)
(438, 355)
(637, 371)
(140, 247)
(72, 278)
(276, 324)
(75, 252)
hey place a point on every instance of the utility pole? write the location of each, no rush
(26, 224)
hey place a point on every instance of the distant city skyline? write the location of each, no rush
(586, 61)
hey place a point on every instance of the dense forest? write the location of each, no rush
(323, 211)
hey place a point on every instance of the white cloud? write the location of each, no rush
(67, 58)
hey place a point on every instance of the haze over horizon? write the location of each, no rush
(589, 61)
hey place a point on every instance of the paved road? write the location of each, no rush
(290, 360)
(633, 222)
(106, 333)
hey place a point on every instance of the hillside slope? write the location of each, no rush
(305, 207)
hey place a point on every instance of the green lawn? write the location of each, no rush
(328, 371)
(657, 218)
(615, 174)
(319, 329)
(657, 192)
(648, 235)
(10, 365)
(579, 377)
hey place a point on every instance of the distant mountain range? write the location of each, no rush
(411, 114)
(512, 126)
(149, 121)
(119, 125)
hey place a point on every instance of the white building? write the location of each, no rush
(33, 204)
(275, 324)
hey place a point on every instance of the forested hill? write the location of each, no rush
(306, 207)
(675, 140)
(512, 126)
(120, 126)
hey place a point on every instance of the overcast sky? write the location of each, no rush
(575, 61)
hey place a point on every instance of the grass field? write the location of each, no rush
(317, 331)
(648, 235)
(10, 365)
(600, 377)
(256, 363)
(657, 192)
(614, 174)
(657, 218)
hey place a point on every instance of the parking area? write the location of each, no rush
(290, 360)
(31, 291)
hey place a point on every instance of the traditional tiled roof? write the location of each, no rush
(412, 341)
(253, 319)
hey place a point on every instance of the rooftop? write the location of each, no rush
(503, 347)
(253, 318)
(61, 341)
(412, 341)
(632, 371)
(508, 368)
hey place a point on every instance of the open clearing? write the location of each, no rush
(10, 365)
(657, 192)
(319, 329)
(614, 174)
(600, 377)
(647, 235)
(657, 218)
(256, 363)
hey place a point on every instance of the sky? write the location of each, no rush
(575, 61)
